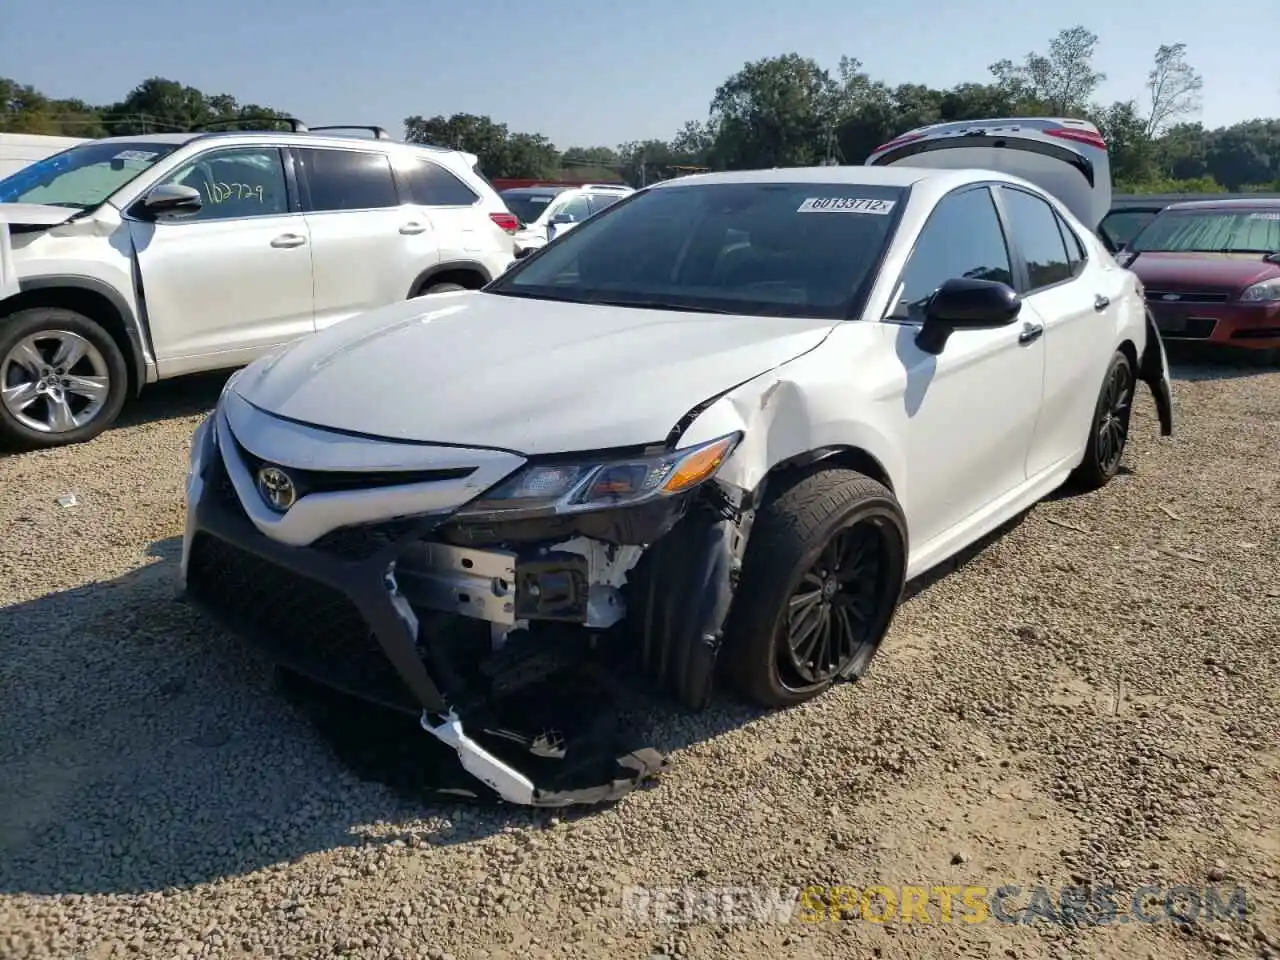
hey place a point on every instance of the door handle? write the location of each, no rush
(1031, 332)
(1101, 303)
(289, 240)
(412, 229)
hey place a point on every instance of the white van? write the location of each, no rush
(18, 150)
(1068, 158)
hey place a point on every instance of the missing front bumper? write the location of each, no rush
(379, 613)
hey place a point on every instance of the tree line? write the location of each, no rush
(787, 110)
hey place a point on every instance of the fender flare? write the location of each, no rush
(447, 266)
(1152, 367)
(139, 340)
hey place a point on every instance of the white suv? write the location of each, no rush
(545, 212)
(133, 259)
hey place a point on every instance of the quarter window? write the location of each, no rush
(1034, 226)
(962, 239)
(236, 182)
(349, 180)
(430, 185)
(1075, 249)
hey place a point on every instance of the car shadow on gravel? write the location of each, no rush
(169, 399)
(146, 750)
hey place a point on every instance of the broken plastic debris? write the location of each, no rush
(67, 500)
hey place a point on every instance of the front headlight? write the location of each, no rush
(1268, 291)
(600, 484)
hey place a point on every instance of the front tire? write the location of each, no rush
(442, 288)
(1109, 429)
(820, 584)
(63, 379)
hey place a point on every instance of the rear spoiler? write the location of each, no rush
(910, 145)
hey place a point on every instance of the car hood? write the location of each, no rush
(1202, 271)
(36, 214)
(536, 376)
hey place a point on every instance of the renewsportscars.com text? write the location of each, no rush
(1009, 904)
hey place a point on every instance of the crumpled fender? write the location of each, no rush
(781, 420)
(1153, 370)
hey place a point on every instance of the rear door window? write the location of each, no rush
(348, 180)
(1036, 234)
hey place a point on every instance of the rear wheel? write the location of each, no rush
(1109, 430)
(441, 288)
(821, 581)
(63, 379)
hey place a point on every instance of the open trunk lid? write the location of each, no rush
(1064, 157)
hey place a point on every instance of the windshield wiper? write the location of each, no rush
(656, 305)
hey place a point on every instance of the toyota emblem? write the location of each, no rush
(277, 488)
(1171, 296)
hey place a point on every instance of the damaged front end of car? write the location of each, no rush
(507, 612)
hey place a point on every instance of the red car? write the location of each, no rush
(1211, 270)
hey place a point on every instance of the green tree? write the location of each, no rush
(499, 152)
(1131, 150)
(1061, 81)
(775, 112)
(1173, 88)
(1246, 154)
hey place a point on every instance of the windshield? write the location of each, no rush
(1121, 226)
(1211, 231)
(84, 176)
(528, 207)
(766, 249)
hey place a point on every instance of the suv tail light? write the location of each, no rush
(899, 141)
(1087, 137)
(507, 221)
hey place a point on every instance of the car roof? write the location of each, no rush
(529, 191)
(167, 138)
(288, 136)
(893, 176)
(1262, 203)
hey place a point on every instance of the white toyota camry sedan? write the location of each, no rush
(712, 431)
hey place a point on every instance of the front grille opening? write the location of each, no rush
(1188, 296)
(333, 481)
(1177, 326)
(304, 625)
(364, 541)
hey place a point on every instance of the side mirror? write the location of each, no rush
(966, 304)
(523, 252)
(171, 200)
(562, 218)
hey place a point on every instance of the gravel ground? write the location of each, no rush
(1092, 697)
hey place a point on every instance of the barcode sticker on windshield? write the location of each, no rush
(141, 156)
(1264, 216)
(844, 205)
